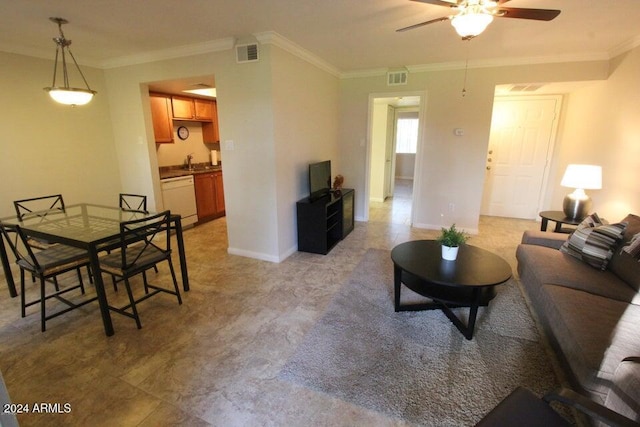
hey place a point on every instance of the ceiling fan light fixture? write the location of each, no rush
(65, 94)
(471, 23)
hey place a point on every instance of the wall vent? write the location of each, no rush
(247, 53)
(531, 87)
(397, 78)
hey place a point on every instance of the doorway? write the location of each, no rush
(391, 160)
(521, 143)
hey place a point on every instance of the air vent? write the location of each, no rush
(247, 53)
(397, 78)
(525, 88)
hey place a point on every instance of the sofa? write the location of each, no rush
(589, 312)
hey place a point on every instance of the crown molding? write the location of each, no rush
(171, 53)
(624, 47)
(272, 37)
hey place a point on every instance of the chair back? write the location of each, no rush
(133, 202)
(143, 240)
(39, 206)
(18, 243)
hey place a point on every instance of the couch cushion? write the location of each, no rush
(538, 265)
(594, 242)
(622, 264)
(594, 334)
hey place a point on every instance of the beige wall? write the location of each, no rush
(305, 111)
(451, 167)
(47, 148)
(602, 126)
(176, 153)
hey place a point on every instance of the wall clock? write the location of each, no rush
(183, 133)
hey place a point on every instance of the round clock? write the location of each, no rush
(183, 133)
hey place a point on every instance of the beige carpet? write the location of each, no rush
(416, 366)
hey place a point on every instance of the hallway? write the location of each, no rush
(395, 209)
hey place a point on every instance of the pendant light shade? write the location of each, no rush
(472, 21)
(64, 94)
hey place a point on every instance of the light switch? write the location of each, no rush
(229, 145)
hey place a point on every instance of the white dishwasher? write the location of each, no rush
(179, 196)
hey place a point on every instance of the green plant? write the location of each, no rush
(452, 237)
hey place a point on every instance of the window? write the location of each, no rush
(406, 134)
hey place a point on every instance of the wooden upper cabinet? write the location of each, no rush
(203, 109)
(183, 108)
(161, 117)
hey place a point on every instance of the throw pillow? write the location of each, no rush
(622, 264)
(594, 242)
(633, 248)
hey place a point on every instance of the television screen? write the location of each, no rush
(319, 179)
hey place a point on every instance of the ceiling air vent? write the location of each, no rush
(530, 87)
(397, 78)
(247, 53)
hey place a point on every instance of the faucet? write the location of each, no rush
(189, 158)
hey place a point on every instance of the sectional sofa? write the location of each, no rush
(589, 306)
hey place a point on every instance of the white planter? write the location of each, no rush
(449, 253)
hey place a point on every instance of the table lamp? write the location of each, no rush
(581, 177)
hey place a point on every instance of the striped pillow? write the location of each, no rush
(633, 248)
(594, 242)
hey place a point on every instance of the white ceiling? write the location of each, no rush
(351, 35)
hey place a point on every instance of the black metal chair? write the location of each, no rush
(133, 202)
(522, 408)
(46, 265)
(144, 243)
(39, 207)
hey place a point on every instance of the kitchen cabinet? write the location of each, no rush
(210, 131)
(209, 195)
(161, 116)
(185, 108)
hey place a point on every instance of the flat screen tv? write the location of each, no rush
(319, 179)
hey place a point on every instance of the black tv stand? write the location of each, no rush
(323, 222)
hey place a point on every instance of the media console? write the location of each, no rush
(323, 222)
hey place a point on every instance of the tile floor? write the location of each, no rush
(214, 360)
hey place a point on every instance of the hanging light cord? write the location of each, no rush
(61, 44)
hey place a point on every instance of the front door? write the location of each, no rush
(520, 146)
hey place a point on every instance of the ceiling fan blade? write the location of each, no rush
(439, 2)
(422, 24)
(537, 14)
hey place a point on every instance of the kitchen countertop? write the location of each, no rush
(172, 172)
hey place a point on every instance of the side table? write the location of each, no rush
(559, 218)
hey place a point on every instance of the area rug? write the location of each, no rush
(416, 366)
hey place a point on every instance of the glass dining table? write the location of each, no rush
(92, 227)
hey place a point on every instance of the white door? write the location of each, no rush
(520, 146)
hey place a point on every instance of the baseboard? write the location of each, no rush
(439, 227)
(262, 256)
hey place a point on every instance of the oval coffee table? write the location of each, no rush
(469, 281)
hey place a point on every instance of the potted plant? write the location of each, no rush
(451, 239)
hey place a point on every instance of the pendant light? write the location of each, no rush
(65, 94)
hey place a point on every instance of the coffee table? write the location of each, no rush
(469, 281)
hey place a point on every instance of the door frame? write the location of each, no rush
(422, 108)
(559, 98)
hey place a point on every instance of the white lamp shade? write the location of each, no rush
(70, 96)
(586, 177)
(471, 24)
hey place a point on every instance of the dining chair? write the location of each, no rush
(144, 243)
(46, 265)
(133, 202)
(39, 207)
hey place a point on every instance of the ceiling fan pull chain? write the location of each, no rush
(466, 66)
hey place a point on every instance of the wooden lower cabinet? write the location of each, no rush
(209, 195)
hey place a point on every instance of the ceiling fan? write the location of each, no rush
(474, 16)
